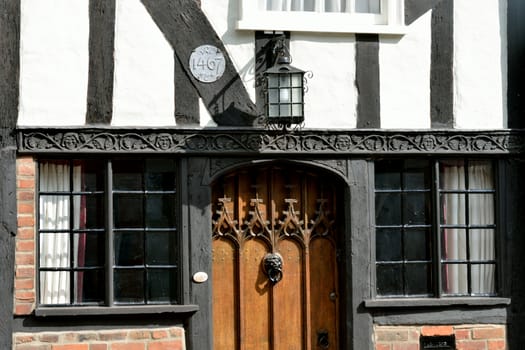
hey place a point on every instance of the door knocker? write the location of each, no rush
(273, 267)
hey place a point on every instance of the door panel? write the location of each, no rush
(286, 215)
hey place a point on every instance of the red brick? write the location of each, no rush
(139, 335)
(23, 308)
(25, 296)
(25, 246)
(25, 283)
(98, 347)
(26, 208)
(112, 336)
(26, 233)
(471, 345)
(86, 337)
(437, 330)
(388, 335)
(33, 347)
(26, 184)
(48, 338)
(498, 344)
(25, 259)
(406, 346)
(26, 221)
(488, 333)
(128, 346)
(159, 334)
(25, 195)
(383, 347)
(70, 347)
(165, 345)
(26, 168)
(22, 272)
(25, 338)
(462, 334)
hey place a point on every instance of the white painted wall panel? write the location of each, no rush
(404, 64)
(54, 60)
(480, 64)
(144, 84)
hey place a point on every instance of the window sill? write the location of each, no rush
(435, 302)
(44, 311)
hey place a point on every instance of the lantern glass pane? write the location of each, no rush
(273, 110)
(297, 79)
(273, 80)
(297, 110)
(297, 95)
(273, 96)
(284, 95)
(284, 80)
(285, 110)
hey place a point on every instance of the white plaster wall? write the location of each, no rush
(54, 60)
(331, 99)
(480, 70)
(404, 64)
(144, 70)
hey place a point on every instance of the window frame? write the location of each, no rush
(438, 297)
(108, 306)
(389, 21)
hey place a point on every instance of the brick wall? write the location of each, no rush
(468, 337)
(25, 293)
(171, 338)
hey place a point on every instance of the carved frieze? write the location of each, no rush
(257, 141)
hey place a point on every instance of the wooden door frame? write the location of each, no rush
(354, 176)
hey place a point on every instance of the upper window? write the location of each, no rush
(339, 16)
(108, 232)
(435, 228)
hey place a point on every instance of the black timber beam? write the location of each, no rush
(9, 77)
(367, 81)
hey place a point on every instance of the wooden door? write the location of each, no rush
(287, 214)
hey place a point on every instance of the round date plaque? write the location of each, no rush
(207, 63)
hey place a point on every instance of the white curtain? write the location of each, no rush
(55, 215)
(481, 240)
(361, 6)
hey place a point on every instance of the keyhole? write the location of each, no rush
(322, 339)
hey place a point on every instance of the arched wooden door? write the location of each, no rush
(264, 214)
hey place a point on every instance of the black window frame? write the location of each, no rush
(437, 261)
(109, 306)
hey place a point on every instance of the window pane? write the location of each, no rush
(452, 175)
(54, 287)
(55, 176)
(389, 279)
(455, 279)
(388, 209)
(160, 211)
(483, 278)
(452, 210)
(89, 249)
(129, 249)
(416, 176)
(418, 279)
(160, 174)
(388, 245)
(480, 175)
(54, 212)
(481, 209)
(127, 175)
(54, 250)
(387, 175)
(128, 210)
(454, 244)
(89, 211)
(92, 178)
(285, 110)
(129, 286)
(416, 209)
(482, 245)
(417, 244)
(89, 286)
(162, 285)
(161, 248)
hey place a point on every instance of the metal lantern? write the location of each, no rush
(284, 93)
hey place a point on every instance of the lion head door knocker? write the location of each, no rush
(273, 267)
